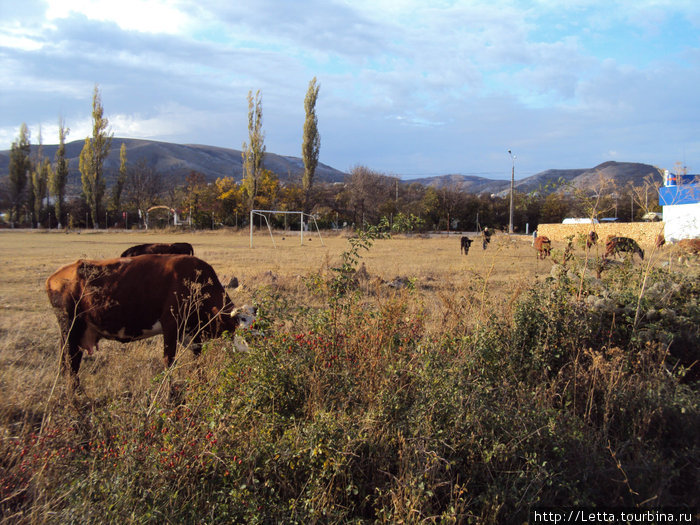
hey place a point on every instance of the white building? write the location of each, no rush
(680, 198)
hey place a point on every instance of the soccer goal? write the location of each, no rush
(266, 213)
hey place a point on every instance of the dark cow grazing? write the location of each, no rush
(176, 248)
(128, 299)
(622, 245)
(543, 246)
(660, 240)
(465, 242)
(591, 239)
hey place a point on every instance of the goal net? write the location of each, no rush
(305, 221)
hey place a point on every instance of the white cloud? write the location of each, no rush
(23, 42)
(146, 16)
(171, 121)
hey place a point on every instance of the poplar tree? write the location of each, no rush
(40, 182)
(253, 151)
(311, 145)
(92, 158)
(20, 167)
(58, 176)
(118, 187)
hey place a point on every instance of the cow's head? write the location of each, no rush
(244, 316)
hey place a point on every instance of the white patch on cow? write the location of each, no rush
(156, 329)
(245, 315)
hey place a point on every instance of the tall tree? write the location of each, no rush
(253, 151)
(40, 182)
(311, 145)
(59, 175)
(20, 167)
(93, 156)
(118, 187)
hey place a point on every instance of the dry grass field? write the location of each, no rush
(462, 306)
(29, 333)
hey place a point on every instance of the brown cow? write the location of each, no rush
(591, 239)
(181, 248)
(128, 299)
(543, 246)
(622, 244)
(689, 246)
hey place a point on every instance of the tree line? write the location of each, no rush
(35, 193)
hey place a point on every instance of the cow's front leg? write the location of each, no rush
(169, 345)
(71, 354)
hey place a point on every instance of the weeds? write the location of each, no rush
(349, 409)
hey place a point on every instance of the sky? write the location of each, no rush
(409, 88)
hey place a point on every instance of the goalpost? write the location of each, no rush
(265, 213)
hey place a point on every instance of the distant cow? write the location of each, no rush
(543, 246)
(690, 246)
(135, 298)
(465, 242)
(660, 240)
(622, 245)
(176, 248)
(591, 239)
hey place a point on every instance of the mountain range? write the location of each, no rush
(549, 181)
(175, 161)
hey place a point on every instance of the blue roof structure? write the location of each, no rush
(679, 189)
(683, 194)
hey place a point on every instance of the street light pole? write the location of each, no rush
(512, 186)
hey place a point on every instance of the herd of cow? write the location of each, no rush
(614, 245)
(151, 289)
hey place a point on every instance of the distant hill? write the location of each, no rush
(552, 180)
(621, 173)
(175, 161)
(466, 183)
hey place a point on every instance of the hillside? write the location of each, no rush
(175, 161)
(621, 173)
(552, 180)
(467, 183)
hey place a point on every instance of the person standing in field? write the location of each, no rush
(486, 237)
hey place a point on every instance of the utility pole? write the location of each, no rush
(512, 186)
